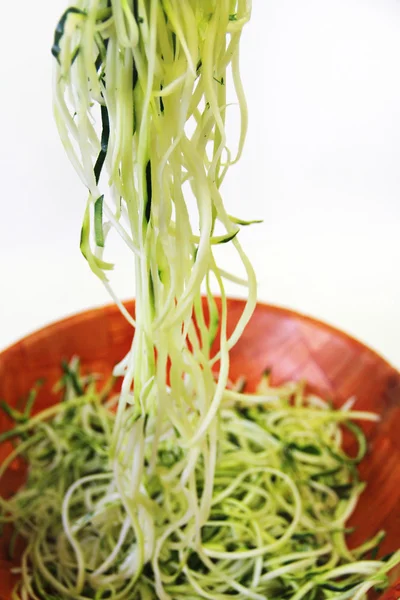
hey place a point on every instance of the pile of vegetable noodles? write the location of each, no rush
(283, 490)
(190, 489)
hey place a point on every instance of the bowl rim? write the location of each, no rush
(275, 308)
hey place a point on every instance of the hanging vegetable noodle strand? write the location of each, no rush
(156, 73)
(190, 489)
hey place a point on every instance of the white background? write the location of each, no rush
(321, 167)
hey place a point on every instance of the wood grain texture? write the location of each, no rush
(293, 346)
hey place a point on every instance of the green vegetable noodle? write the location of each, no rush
(182, 486)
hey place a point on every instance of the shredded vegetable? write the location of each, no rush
(189, 489)
(282, 493)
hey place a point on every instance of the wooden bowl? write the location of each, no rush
(293, 346)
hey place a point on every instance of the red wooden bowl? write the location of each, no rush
(294, 346)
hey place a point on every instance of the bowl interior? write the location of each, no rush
(293, 346)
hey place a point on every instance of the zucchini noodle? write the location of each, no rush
(282, 491)
(190, 489)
